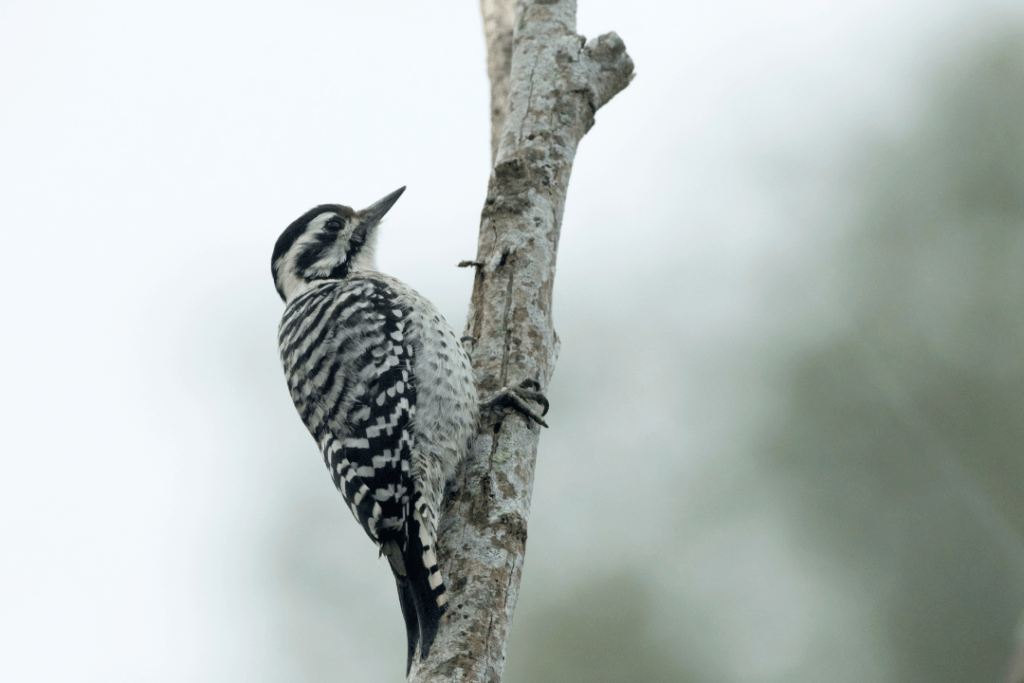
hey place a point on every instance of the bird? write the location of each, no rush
(386, 389)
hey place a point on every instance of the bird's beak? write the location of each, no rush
(373, 213)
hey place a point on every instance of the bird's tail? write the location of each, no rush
(421, 590)
(412, 629)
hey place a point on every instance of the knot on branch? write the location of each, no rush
(611, 68)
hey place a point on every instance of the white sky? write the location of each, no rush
(150, 154)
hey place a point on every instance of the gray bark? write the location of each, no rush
(543, 103)
(498, 16)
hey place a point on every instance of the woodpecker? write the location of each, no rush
(384, 386)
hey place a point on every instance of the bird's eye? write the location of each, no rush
(334, 225)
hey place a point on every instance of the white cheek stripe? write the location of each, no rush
(294, 284)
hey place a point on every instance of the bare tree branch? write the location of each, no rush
(555, 84)
(498, 16)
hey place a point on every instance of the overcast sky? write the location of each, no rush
(150, 155)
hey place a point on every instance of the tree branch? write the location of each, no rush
(498, 16)
(555, 84)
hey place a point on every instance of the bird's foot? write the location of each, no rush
(517, 397)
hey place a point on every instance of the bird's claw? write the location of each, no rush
(516, 398)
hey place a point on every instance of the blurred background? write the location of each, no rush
(790, 292)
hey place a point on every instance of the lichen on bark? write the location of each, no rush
(546, 85)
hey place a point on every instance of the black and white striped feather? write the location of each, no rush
(386, 390)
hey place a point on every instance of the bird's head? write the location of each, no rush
(327, 242)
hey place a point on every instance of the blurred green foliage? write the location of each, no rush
(600, 631)
(904, 440)
(901, 444)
